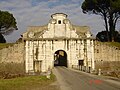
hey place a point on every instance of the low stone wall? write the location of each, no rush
(107, 59)
(108, 65)
(13, 53)
(105, 52)
(9, 70)
(12, 62)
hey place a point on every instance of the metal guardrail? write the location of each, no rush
(82, 68)
(114, 73)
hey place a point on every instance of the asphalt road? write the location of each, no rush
(73, 80)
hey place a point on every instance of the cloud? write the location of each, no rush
(38, 12)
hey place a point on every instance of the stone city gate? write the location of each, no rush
(46, 46)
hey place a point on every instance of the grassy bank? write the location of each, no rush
(13, 77)
(116, 44)
(5, 45)
(28, 83)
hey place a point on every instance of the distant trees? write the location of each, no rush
(108, 9)
(101, 36)
(7, 24)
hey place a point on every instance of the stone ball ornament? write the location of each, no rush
(65, 21)
(31, 34)
(53, 21)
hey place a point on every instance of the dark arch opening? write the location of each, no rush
(60, 58)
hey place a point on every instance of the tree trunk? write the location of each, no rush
(2, 39)
(111, 27)
(106, 26)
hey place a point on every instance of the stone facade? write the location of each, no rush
(42, 43)
(105, 52)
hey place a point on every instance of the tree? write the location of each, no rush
(7, 23)
(108, 9)
(101, 36)
(2, 39)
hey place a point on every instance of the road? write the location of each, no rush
(73, 80)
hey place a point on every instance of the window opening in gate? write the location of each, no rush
(59, 22)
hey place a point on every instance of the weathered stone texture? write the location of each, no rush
(105, 52)
(107, 57)
(42, 42)
(13, 53)
(59, 34)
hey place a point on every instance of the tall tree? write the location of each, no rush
(108, 9)
(114, 15)
(7, 23)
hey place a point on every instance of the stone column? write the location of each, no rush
(31, 56)
(92, 52)
(26, 56)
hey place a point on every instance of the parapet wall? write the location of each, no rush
(103, 53)
(106, 52)
(107, 57)
(12, 54)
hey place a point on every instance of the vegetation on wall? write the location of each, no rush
(116, 44)
(5, 45)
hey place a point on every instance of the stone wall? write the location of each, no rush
(12, 54)
(107, 57)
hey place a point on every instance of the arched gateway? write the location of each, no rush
(59, 43)
(60, 58)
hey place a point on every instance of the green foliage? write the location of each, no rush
(7, 22)
(101, 36)
(101, 6)
(108, 9)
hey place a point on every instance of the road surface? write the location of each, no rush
(73, 80)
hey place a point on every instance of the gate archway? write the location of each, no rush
(60, 58)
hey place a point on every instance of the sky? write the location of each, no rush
(38, 13)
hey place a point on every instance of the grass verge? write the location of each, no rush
(27, 83)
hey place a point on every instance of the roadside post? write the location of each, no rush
(48, 74)
(99, 71)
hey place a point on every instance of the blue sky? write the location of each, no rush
(38, 12)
